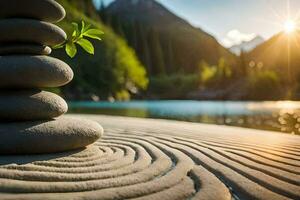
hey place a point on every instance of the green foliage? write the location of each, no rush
(122, 95)
(78, 37)
(263, 85)
(208, 72)
(173, 86)
(214, 75)
(114, 70)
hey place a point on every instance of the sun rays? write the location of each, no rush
(284, 19)
(290, 26)
(286, 43)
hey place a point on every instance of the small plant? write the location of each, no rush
(78, 37)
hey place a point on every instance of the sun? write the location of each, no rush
(289, 26)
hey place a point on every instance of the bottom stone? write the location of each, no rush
(52, 136)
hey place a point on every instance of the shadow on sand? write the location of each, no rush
(27, 159)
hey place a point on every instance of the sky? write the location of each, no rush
(234, 21)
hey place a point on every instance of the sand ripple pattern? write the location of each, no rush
(150, 162)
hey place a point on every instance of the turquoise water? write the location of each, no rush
(283, 116)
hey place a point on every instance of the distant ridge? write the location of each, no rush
(280, 53)
(164, 42)
(247, 46)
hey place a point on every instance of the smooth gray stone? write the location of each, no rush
(48, 136)
(45, 10)
(30, 105)
(30, 31)
(24, 49)
(33, 72)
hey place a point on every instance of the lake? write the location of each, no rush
(283, 116)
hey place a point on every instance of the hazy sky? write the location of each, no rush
(231, 21)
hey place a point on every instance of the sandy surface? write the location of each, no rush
(164, 160)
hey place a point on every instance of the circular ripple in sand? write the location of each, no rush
(116, 167)
(150, 165)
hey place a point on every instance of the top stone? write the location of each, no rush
(44, 10)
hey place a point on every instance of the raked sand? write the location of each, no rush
(161, 160)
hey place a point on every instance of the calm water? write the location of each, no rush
(283, 116)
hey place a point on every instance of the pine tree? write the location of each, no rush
(147, 55)
(118, 26)
(242, 64)
(130, 32)
(102, 11)
(158, 64)
(102, 6)
(142, 45)
(170, 56)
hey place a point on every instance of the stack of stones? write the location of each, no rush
(29, 122)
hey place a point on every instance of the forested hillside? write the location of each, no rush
(164, 42)
(280, 53)
(114, 70)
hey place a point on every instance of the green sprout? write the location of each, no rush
(78, 37)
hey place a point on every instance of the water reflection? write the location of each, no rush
(281, 116)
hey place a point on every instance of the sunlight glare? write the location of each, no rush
(289, 26)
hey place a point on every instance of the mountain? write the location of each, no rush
(164, 42)
(280, 53)
(247, 46)
(114, 70)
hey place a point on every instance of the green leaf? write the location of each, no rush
(59, 46)
(85, 27)
(94, 34)
(71, 49)
(82, 26)
(76, 29)
(86, 45)
(77, 37)
(75, 25)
